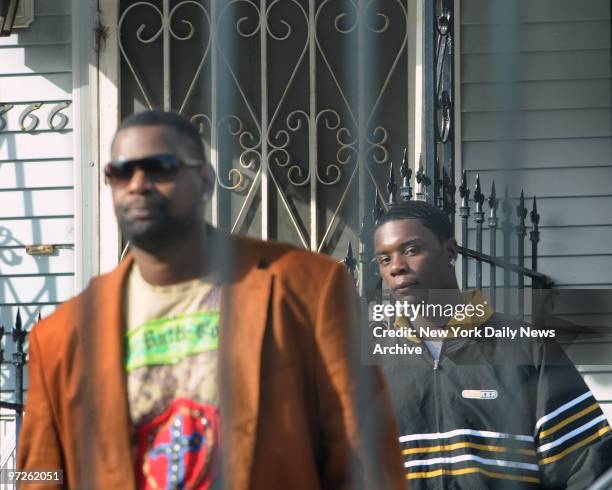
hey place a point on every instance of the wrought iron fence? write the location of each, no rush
(434, 183)
(17, 362)
(515, 275)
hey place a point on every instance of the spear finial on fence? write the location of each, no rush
(19, 335)
(464, 191)
(423, 181)
(18, 323)
(405, 173)
(493, 202)
(391, 186)
(38, 318)
(521, 211)
(534, 234)
(535, 217)
(478, 195)
(349, 261)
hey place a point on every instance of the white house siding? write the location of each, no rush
(36, 178)
(535, 99)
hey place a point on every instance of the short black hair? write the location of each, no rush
(157, 117)
(430, 216)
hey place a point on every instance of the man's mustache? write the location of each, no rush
(156, 203)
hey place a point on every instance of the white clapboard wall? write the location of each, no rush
(36, 179)
(536, 114)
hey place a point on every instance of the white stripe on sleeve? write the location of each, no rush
(569, 435)
(472, 457)
(468, 432)
(561, 409)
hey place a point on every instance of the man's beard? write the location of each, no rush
(162, 231)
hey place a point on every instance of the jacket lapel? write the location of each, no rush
(245, 304)
(245, 314)
(104, 356)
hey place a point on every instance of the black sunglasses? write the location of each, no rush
(158, 168)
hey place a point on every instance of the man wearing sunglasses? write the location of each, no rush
(203, 360)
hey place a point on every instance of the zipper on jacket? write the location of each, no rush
(441, 480)
(436, 391)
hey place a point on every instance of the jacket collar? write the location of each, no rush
(473, 297)
(246, 290)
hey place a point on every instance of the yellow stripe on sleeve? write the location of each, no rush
(469, 470)
(578, 445)
(568, 420)
(461, 445)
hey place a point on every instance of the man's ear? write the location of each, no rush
(451, 249)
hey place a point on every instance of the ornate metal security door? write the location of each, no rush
(302, 103)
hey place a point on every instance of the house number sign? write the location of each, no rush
(28, 121)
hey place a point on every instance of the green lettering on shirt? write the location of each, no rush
(169, 340)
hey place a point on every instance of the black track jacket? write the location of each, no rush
(496, 414)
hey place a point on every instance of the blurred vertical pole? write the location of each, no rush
(264, 86)
(534, 234)
(2, 330)
(445, 97)
(507, 70)
(507, 231)
(493, 243)
(521, 231)
(479, 218)
(365, 254)
(534, 237)
(429, 79)
(439, 75)
(464, 212)
(365, 186)
(366, 237)
(376, 282)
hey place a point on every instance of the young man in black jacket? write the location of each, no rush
(484, 406)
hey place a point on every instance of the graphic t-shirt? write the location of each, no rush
(171, 344)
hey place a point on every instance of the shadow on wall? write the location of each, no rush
(35, 153)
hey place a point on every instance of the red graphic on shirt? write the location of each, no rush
(180, 448)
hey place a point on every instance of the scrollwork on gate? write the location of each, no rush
(272, 132)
